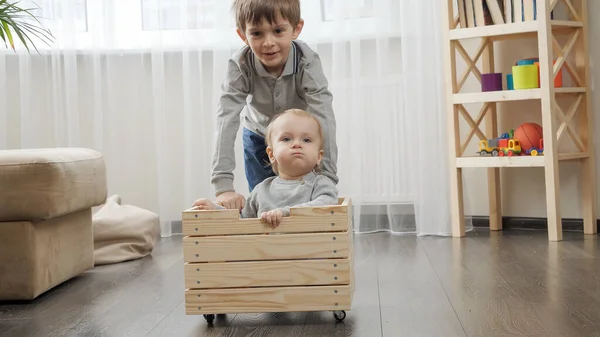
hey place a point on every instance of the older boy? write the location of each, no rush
(269, 75)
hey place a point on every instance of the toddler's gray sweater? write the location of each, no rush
(312, 190)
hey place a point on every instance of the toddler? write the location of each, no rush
(295, 150)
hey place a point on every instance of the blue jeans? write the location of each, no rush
(256, 160)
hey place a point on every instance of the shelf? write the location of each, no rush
(509, 95)
(516, 161)
(497, 96)
(511, 30)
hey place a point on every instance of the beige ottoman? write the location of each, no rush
(46, 238)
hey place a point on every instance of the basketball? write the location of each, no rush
(529, 134)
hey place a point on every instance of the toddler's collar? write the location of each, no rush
(307, 178)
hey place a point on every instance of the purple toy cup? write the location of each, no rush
(491, 82)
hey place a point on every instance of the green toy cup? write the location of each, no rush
(525, 76)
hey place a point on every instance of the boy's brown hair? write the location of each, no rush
(255, 10)
(297, 112)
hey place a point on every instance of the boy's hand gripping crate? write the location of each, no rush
(235, 265)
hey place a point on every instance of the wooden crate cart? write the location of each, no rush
(235, 265)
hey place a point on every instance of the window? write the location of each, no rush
(177, 14)
(143, 24)
(346, 9)
(60, 15)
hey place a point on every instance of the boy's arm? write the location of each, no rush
(324, 193)
(234, 91)
(320, 103)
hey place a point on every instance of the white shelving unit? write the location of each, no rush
(556, 123)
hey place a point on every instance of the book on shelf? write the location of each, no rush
(478, 13)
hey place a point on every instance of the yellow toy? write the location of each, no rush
(235, 265)
(505, 145)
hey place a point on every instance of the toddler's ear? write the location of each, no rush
(320, 156)
(270, 154)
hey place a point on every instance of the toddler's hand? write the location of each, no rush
(204, 204)
(231, 200)
(273, 218)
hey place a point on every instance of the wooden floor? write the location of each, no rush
(512, 283)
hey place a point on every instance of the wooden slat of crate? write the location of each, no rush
(266, 247)
(301, 220)
(299, 224)
(267, 273)
(273, 299)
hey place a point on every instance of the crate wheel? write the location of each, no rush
(209, 318)
(339, 315)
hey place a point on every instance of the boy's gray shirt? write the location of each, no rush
(248, 89)
(273, 193)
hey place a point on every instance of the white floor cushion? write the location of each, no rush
(123, 232)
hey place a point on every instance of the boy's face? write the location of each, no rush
(295, 145)
(271, 43)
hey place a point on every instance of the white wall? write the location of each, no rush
(523, 188)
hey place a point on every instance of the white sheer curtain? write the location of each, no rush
(138, 80)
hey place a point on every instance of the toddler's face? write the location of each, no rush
(271, 43)
(295, 145)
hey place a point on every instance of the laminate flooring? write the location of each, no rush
(511, 283)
